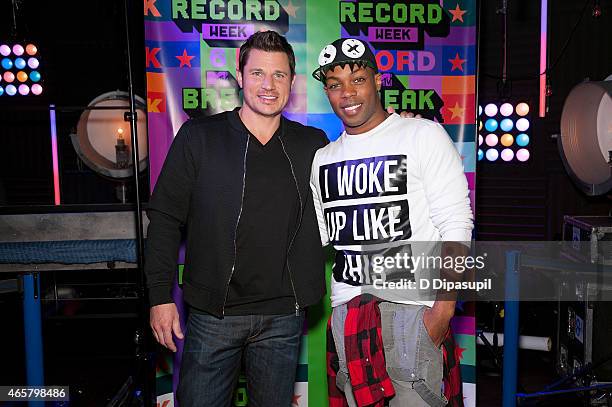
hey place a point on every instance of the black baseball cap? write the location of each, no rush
(344, 51)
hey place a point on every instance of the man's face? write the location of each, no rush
(266, 82)
(353, 95)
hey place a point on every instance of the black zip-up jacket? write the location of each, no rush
(200, 189)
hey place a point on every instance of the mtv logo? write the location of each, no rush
(386, 79)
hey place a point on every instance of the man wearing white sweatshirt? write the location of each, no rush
(386, 192)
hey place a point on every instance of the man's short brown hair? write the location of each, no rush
(269, 41)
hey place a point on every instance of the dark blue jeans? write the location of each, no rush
(213, 351)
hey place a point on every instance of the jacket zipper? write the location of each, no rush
(237, 223)
(297, 305)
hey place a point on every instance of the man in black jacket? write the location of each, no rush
(238, 184)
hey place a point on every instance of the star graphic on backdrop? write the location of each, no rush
(291, 9)
(457, 13)
(456, 110)
(185, 59)
(295, 399)
(460, 351)
(457, 63)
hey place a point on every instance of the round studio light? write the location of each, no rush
(522, 109)
(480, 155)
(492, 154)
(522, 124)
(34, 76)
(97, 135)
(18, 50)
(506, 125)
(586, 136)
(22, 76)
(479, 125)
(8, 76)
(506, 109)
(491, 125)
(7, 63)
(37, 89)
(480, 140)
(490, 110)
(1, 91)
(507, 140)
(522, 139)
(20, 63)
(31, 49)
(24, 89)
(479, 110)
(507, 154)
(522, 155)
(33, 63)
(5, 50)
(11, 90)
(491, 140)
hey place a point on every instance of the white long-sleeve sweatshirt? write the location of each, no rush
(382, 193)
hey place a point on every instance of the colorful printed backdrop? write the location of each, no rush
(426, 51)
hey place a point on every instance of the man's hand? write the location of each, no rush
(437, 321)
(164, 321)
(404, 114)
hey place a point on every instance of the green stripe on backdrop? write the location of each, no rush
(317, 325)
(467, 345)
(322, 28)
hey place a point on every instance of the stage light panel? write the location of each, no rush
(508, 130)
(507, 126)
(19, 67)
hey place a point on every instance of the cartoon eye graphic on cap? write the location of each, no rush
(327, 55)
(353, 48)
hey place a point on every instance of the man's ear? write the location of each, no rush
(293, 81)
(378, 80)
(239, 77)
